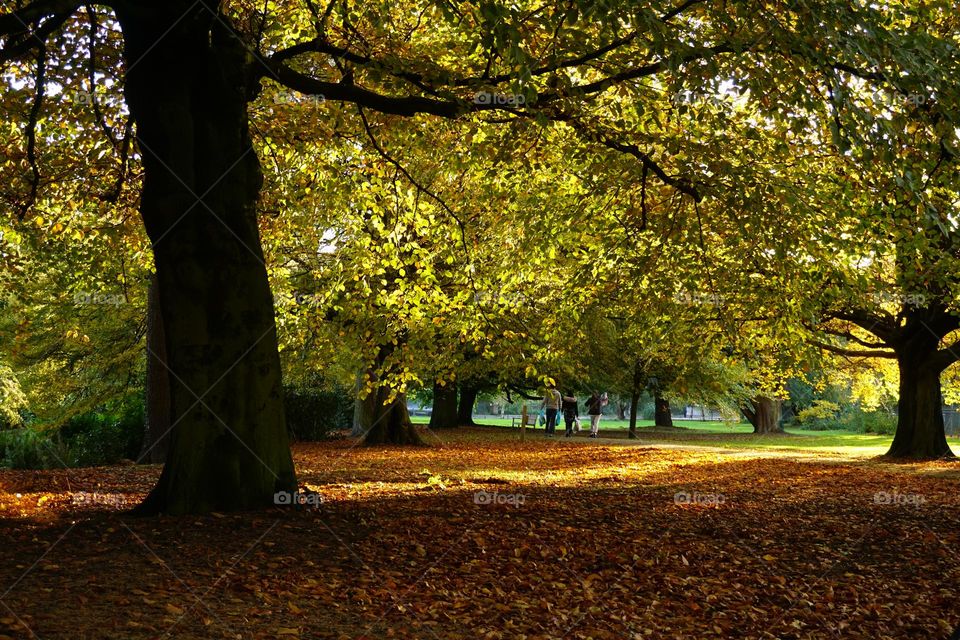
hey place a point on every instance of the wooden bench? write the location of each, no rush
(525, 420)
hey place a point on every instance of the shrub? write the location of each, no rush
(822, 415)
(107, 436)
(314, 413)
(879, 422)
(31, 448)
(104, 436)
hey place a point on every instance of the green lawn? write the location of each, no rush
(732, 436)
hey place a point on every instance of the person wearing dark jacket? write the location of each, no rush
(595, 409)
(571, 411)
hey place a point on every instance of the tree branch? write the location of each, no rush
(34, 39)
(871, 353)
(20, 21)
(40, 82)
(680, 184)
(849, 336)
(402, 106)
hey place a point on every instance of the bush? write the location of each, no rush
(879, 422)
(314, 413)
(31, 448)
(822, 415)
(105, 436)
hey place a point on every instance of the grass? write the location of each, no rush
(732, 436)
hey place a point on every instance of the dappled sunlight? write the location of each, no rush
(441, 540)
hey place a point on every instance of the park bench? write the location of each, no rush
(525, 420)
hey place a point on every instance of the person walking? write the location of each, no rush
(570, 412)
(595, 409)
(551, 405)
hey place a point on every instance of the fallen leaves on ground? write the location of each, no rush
(480, 536)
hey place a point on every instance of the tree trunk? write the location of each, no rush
(392, 424)
(920, 430)
(621, 410)
(634, 407)
(468, 398)
(634, 400)
(661, 411)
(187, 88)
(364, 414)
(764, 414)
(157, 428)
(443, 415)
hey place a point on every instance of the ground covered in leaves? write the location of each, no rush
(480, 536)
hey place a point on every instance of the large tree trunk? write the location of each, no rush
(444, 412)
(764, 414)
(392, 424)
(187, 88)
(157, 428)
(364, 414)
(661, 411)
(621, 409)
(364, 409)
(920, 432)
(468, 398)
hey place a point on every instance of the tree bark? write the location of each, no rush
(157, 428)
(635, 389)
(621, 409)
(187, 88)
(661, 411)
(364, 414)
(764, 414)
(444, 412)
(634, 406)
(468, 398)
(920, 431)
(392, 424)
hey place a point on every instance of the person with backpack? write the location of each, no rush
(571, 411)
(595, 409)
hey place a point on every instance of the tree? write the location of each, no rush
(192, 69)
(444, 414)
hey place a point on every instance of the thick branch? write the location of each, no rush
(947, 356)
(404, 106)
(322, 45)
(854, 353)
(33, 39)
(881, 326)
(21, 21)
(849, 336)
